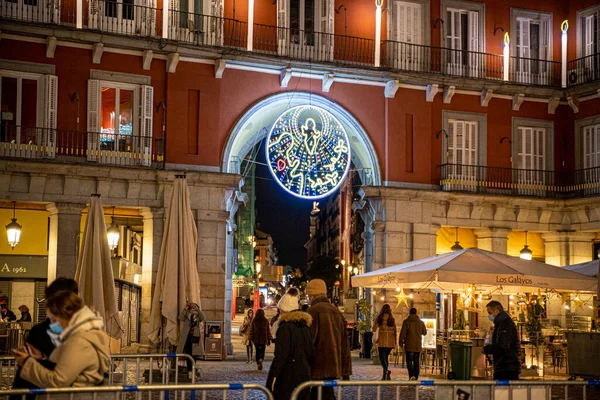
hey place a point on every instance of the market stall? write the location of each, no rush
(468, 278)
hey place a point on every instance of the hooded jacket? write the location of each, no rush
(82, 357)
(260, 331)
(332, 359)
(294, 352)
(413, 329)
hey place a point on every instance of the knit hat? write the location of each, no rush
(315, 287)
(288, 303)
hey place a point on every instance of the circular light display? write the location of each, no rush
(308, 152)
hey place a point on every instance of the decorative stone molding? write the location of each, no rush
(449, 93)
(553, 103)
(391, 87)
(431, 91)
(220, 66)
(328, 80)
(517, 100)
(285, 77)
(486, 96)
(573, 103)
(50, 46)
(97, 52)
(147, 59)
(172, 61)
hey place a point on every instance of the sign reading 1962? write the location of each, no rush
(12, 266)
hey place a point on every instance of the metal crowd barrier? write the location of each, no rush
(150, 392)
(472, 390)
(126, 369)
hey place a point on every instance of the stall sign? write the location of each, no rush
(12, 266)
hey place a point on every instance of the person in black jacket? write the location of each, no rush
(7, 315)
(505, 344)
(294, 350)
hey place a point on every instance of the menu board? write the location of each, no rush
(429, 340)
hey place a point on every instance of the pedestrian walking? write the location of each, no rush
(6, 314)
(505, 344)
(244, 328)
(294, 350)
(328, 329)
(191, 334)
(38, 337)
(260, 334)
(410, 338)
(25, 315)
(82, 356)
(385, 326)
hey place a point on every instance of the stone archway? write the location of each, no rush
(254, 125)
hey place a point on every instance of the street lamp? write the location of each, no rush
(349, 269)
(113, 233)
(355, 270)
(457, 246)
(13, 230)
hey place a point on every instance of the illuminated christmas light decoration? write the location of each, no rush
(308, 152)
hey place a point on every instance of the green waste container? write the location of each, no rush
(460, 355)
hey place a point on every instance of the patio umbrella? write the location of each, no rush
(589, 268)
(177, 279)
(477, 267)
(94, 273)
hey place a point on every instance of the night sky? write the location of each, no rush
(285, 217)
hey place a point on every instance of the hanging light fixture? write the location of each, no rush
(526, 253)
(113, 233)
(457, 246)
(13, 230)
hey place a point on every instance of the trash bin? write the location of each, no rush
(240, 306)
(460, 356)
(213, 344)
(367, 344)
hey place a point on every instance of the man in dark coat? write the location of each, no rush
(505, 344)
(294, 350)
(332, 352)
(411, 336)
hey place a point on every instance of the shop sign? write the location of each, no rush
(240, 281)
(12, 266)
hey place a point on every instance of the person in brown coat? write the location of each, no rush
(410, 338)
(328, 329)
(385, 325)
(260, 335)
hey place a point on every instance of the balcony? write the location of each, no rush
(520, 182)
(118, 18)
(76, 147)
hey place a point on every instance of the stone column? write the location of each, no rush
(154, 221)
(568, 248)
(424, 240)
(63, 246)
(493, 239)
(212, 268)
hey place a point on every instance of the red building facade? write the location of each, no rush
(129, 90)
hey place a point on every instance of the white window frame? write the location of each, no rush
(403, 56)
(19, 76)
(582, 14)
(580, 124)
(532, 183)
(425, 19)
(135, 106)
(534, 123)
(518, 13)
(464, 6)
(458, 179)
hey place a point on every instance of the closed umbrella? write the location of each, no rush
(478, 267)
(177, 280)
(94, 273)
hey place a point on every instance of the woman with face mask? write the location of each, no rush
(82, 355)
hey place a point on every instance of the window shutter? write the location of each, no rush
(525, 39)
(416, 19)
(398, 29)
(473, 31)
(589, 35)
(540, 150)
(283, 23)
(544, 39)
(459, 137)
(93, 119)
(50, 111)
(451, 141)
(471, 143)
(588, 146)
(596, 136)
(146, 100)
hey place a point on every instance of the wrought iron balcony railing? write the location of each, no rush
(130, 19)
(520, 182)
(76, 147)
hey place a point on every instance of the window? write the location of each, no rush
(533, 154)
(464, 146)
(587, 153)
(408, 29)
(28, 108)
(119, 120)
(309, 24)
(462, 37)
(588, 32)
(190, 15)
(591, 146)
(532, 45)
(406, 22)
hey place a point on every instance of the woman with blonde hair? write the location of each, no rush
(385, 325)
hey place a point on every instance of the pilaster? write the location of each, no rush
(493, 239)
(424, 240)
(568, 248)
(63, 248)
